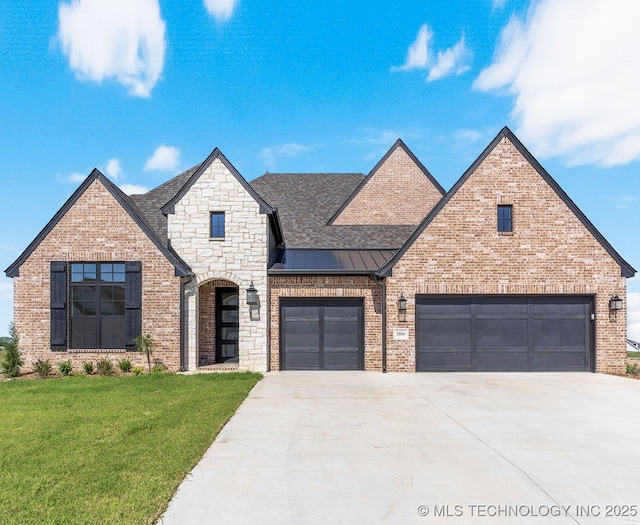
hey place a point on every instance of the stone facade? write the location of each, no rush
(549, 251)
(357, 286)
(240, 257)
(397, 192)
(98, 229)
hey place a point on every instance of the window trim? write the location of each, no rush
(98, 317)
(219, 228)
(504, 225)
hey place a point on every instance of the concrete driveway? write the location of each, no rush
(360, 447)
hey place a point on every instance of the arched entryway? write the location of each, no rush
(218, 322)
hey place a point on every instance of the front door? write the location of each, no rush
(227, 324)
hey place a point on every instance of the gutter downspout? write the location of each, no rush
(383, 284)
(183, 335)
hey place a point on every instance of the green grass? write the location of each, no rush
(633, 354)
(106, 450)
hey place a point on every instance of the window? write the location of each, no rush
(217, 225)
(505, 223)
(97, 294)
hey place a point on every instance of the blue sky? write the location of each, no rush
(143, 90)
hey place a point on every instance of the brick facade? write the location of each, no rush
(97, 228)
(325, 287)
(549, 251)
(398, 192)
(458, 251)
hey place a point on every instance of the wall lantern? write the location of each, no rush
(615, 303)
(252, 295)
(402, 308)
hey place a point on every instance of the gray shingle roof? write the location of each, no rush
(152, 202)
(306, 202)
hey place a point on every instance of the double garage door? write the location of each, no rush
(321, 334)
(462, 333)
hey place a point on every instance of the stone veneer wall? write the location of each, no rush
(397, 193)
(98, 229)
(334, 287)
(241, 257)
(549, 252)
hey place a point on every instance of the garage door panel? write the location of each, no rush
(497, 307)
(321, 334)
(446, 360)
(505, 360)
(503, 333)
(552, 361)
(446, 333)
(559, 332)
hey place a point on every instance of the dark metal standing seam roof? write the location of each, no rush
(346, 262)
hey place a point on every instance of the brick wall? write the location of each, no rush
(397, 193)
(549, 252)
(334, 287)
(98, 229)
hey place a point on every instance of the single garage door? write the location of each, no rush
(321, 334)
(506, 333)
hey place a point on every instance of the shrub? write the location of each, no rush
(43, 368)
(12, 360)
(104, 367)
(136, 370)
(125, 365)
(88, 368)
(65, 367)
(144, 344)
(633, 369)
(158, 368)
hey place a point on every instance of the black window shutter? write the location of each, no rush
(133, 302)
(58, 305)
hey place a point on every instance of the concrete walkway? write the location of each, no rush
(360, 447)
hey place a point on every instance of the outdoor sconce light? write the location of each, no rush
(252, 295)
(615, 303)
(402, 308)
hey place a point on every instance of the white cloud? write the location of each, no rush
(220, 9)
(467, 135)
(270, 155)
(633, 316)
(164, 158)
(133, 189)
(499, 4)
(572, 67)
(76, 177)
(418, 53)
(384, 137)
(114, 169)
(116, 39)
(6, 290)
(454, 60)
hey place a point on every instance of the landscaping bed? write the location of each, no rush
(107, 449)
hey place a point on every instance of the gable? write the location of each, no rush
(216, 155)
(550, 232)
(91, 208)
(399, 190)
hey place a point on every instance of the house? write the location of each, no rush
(329, 271)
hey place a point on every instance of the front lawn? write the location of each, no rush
(107, 449)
